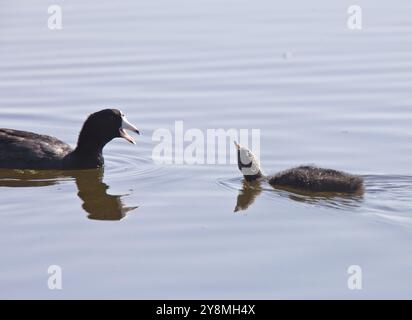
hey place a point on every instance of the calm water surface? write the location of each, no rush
(318, 92)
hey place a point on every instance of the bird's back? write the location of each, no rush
(27, 150)
(310, 178)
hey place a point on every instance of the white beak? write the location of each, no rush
(126, 125)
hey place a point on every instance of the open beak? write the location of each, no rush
(126, 125)
(237, 145)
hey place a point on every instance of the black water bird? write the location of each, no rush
(27, 150)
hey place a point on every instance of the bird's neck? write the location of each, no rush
(88, 153)
(79, 159)
(254, 177)
(90, 143)
(89, 148)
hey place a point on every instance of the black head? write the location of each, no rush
(102, 127)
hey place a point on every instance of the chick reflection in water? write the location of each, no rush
(91, 189)
(252, 189)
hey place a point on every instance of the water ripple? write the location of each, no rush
(125, 166)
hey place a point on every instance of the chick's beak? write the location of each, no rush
(237, 145)
(126, 125)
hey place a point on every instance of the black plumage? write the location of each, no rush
(316, 179)
(27, 150)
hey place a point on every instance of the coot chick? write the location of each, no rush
(27, 150)
(304, 178)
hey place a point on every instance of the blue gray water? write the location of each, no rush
(319, 92)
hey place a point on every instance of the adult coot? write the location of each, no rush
(305, 178)
(27, 150)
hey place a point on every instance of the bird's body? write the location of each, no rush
(314, 179)
(303, 178)
(27, 150)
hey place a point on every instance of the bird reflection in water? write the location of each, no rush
(251, 190)
(98, 204)
(248, 194)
